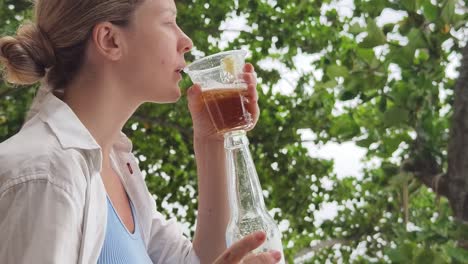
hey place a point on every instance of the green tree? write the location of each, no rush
(412, 123)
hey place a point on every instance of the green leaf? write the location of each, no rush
(390, 168)
(461, 231)
(458, 253)
(365, 143)
(416, 39)
(391, 144)
(346, 94)
(410, 5)
(366, 55)
(448, 11)
(425, 256)
(396, 256)
(395, 116)
(383, 104)
(423, 55)
(430, 11)
(337, 71)
(352, 87)
(330, 84)
(375, 35)
(400, 179)
(439, 259)
(403, 253)
(356, 29)
(344, 127)
(403, 56)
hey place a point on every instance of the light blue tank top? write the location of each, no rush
(121, 246)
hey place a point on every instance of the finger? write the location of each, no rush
(255, 114)
(194, 96)
(194, 90)
(249, 78)
(252, 93)
(248, 67)
(251, 101)
(266, 257)
(241, 248)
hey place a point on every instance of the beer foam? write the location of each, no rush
(214, 85)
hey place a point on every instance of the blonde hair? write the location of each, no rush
(52, 47)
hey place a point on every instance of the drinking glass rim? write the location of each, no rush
(187, 68)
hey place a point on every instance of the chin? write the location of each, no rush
(168, 98)
(176, 96)
(174, 100)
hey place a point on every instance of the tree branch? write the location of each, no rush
(321, 245)
(424, 167)
(458, 145)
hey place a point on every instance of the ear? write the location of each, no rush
(108, 40)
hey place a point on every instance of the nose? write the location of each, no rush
(185, 43)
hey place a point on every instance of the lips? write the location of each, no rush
(180, 68)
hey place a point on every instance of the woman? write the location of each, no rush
(70, 189)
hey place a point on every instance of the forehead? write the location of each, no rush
(159, 7)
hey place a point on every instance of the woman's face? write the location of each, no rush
(155, 52)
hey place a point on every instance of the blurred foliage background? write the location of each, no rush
(382, 85)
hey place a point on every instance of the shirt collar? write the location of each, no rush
(123, 143)
(66, 126)
(70, 131)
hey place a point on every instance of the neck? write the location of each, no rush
(102, 106)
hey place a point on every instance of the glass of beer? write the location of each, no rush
(223, 89)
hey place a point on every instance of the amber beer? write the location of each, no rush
(228, 108)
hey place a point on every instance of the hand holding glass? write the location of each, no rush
(225, 95)
(223, 90)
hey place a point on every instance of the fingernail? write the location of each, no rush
(260, 236)
(275, 254)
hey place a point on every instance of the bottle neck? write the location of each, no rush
(245, 193)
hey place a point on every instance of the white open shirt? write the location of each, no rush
(53, 201)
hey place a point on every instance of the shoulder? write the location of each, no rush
(34, 154)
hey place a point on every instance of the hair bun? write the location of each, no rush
(27, 56)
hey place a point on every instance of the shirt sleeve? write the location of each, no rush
(39, 223)
(167, 244)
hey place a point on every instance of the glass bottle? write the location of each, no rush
(248, 211)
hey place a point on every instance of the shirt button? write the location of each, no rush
(129, 168)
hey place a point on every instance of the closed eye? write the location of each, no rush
(170, 23)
